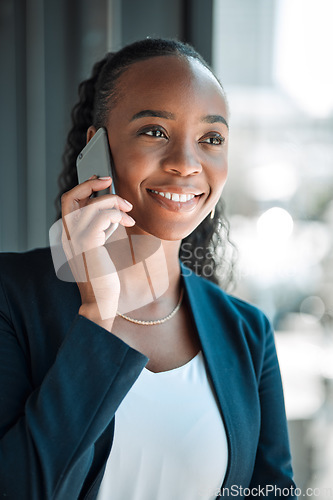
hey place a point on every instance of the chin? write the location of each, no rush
(174, 231)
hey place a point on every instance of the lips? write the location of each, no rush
(176, 202)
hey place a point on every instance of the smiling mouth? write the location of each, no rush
(176, 202)
(182, 198)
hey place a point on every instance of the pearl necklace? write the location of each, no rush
(157, 321)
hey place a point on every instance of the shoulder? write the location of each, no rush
(38, 257)
(29, 280)
(242, 319)
(35, 305)
(229, 324)
(24, 268)
(221, 300)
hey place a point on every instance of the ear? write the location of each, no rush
(91, 132)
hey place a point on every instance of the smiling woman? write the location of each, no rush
(139, 378)
(104, 90)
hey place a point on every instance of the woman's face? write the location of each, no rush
(168, 134)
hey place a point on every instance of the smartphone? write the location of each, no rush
(96, 158)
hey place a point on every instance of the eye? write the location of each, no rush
(214, 140)
(154, 132)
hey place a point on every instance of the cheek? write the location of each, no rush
(219, 174)
(128, 167)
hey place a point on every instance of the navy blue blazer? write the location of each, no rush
(62, 378)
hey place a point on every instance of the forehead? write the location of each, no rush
(179, 84)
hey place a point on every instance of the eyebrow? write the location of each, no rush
(151, 112)
(215, 119)
(170, 116)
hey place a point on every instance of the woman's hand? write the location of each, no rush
(87, 224)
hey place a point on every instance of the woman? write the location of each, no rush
(142, 380)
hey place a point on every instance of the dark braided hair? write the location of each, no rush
(97, 95)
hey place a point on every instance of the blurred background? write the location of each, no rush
(274, 58)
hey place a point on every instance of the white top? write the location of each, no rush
(169, 441)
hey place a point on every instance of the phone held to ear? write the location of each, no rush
(95, 159)
(145, 250)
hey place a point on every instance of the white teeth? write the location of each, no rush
(175, 196)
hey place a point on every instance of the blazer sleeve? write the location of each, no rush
(47, 434)
(272, 474)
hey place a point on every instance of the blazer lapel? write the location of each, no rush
(231, 373)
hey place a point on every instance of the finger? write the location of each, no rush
(79, 195)
(111, 216)
(95, 234)
(110, 201)
(85, 215)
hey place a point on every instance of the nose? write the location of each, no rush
(182, 159)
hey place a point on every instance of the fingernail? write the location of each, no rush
(128, 203)
(104, 178)
(130, 218)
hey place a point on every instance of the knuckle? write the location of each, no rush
(63, 198)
